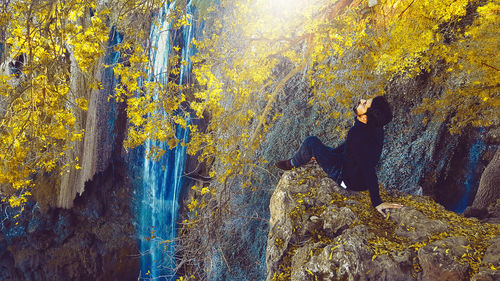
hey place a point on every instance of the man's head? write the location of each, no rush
(375, 112)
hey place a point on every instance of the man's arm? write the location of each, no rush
(385, 205)
(371, 180)
(367, 160)
(373, 189)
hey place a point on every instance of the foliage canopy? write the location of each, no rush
(342, 48)
(249, 51)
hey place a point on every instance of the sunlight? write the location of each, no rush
(279, 17)
(280, 6)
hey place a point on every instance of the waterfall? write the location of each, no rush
(162, 180)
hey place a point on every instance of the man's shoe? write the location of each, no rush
(284, 165)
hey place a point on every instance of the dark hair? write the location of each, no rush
(379, 113)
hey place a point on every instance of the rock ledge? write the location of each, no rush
(320, 231)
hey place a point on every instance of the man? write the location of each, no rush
(353, 163)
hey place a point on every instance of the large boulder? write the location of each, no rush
(345, 238)
(488, 192)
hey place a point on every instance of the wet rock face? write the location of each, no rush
(95, 240)
(320, 231)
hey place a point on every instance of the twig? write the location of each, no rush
(405, 9)
(485, 64)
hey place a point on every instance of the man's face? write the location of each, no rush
(362, 106)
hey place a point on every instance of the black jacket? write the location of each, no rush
(362, 150)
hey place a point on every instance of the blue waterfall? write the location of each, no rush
(162, 181)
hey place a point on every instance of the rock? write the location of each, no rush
(336, 220)
(479, 213)
(415, 225)
(301, 257)
(493, 213)
(486, 275)
(14, 233)
(352, 257)
(280, 225)
(63, 228)
(284, 201)
(437, 259)
(387, 267)
(490, 264)
(346, 239)
(3, 244)
(492, 254)
(488, 191)
(413, 190)
(324, 194)
(487, 215)
(349, 258)
(74, 244)
(493, 135)
(41, 240)
(36, 224)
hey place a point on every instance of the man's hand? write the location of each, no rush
(380, 208)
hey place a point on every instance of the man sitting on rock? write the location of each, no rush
(352, 164)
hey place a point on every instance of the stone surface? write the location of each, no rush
(488, 191)
(337, 220)
(94, 240)
(346, 239)
(490, 264)
(437, 262)
(415, 225)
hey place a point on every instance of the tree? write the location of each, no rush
(344, 49)
(39, 113)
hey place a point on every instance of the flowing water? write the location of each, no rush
(162, 180)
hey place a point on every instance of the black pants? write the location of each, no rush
(327, 157)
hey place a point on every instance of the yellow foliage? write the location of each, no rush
(38, 121)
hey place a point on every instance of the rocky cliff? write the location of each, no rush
(320, 231)
(94, 240)
(101, 124)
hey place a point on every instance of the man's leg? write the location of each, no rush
(312, 147)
